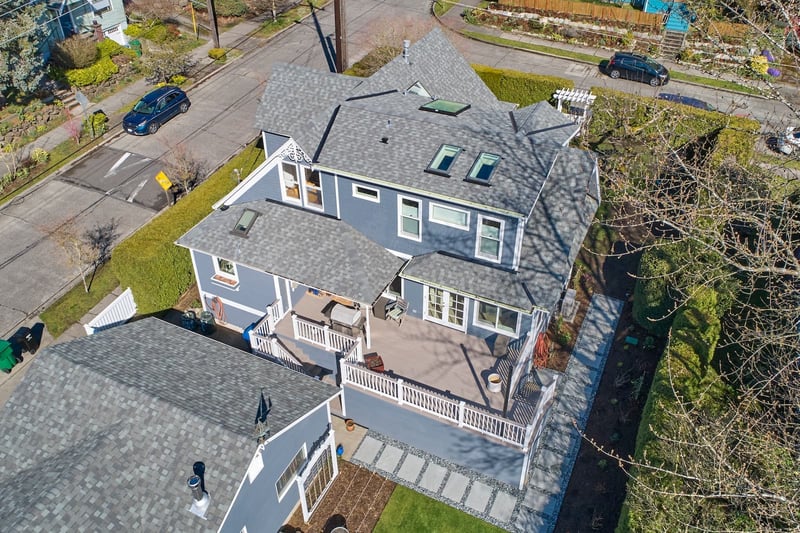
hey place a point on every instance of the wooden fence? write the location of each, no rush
(594, 12)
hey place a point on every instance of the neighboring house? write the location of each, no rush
(409, 224)
(104, 432)
(76, 17)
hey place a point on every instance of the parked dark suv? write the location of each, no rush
(155, 108)
(637, 67)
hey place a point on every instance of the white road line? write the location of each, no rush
(113, 169)
(132, 195)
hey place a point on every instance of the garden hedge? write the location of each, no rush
(101, 71)
(521, 87)
(684, 372)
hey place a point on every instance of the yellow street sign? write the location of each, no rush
(163, 180)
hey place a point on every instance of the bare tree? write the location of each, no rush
(85, 249)
(184, 168)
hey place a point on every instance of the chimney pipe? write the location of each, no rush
(200, 499)
(406, 44)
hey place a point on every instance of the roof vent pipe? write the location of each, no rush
(406, 44)
(200, 499)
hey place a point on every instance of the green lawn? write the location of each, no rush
(411, 511)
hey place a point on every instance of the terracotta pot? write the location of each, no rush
(349, 424)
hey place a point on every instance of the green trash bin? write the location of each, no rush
(7, 358)
(136, 46)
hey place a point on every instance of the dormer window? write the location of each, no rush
(483, 168)
(444, 159)
(445, 107)
(245, 222)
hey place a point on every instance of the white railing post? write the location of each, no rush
(461, 407)
(295, 327)
(326, 331)
(273, 348)
(400, 399)
(359, 351)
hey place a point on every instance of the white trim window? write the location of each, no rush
(366, 193)
(409, 218)
(445, 308)
(290, 184)
(489, 244)
(290, 472)
(496, 318)
(312, 188)
(225, 272)
(301, 185)
(448, 216)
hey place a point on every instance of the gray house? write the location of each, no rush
(411, 236)
(106, 432)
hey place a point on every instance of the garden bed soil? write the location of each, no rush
(596, 489)
(355, 501)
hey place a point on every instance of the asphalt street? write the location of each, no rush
(115, 183)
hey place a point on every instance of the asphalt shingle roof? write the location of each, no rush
(103, 431)
(341, 120)
(305, 247)
(551, 241)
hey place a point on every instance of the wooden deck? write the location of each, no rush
(428, 354)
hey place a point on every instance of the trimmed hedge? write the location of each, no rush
(684, 370)
(158, 271)
(101, 71)
(521, 87)
(651, 299)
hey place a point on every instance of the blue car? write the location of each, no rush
(154, 109)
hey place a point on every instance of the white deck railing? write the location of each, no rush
(266, 326)
(322, 336)
(450, 409)
(271, 347)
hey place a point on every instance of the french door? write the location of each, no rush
(445, 307)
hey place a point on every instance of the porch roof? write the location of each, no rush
(467, 277)
(309, 248)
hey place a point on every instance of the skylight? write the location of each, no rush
(417, 88)
(245, 222)
(445, 107)
(444, 159)
(483, 167)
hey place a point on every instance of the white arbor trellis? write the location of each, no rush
(579, 102)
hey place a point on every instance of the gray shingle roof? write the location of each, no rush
(542, 122)
(103, 431)
(341, 120)
(435, 63)
(306, 247)
(551, 241)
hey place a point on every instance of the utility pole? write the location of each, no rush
(212, 14)
(341, 35)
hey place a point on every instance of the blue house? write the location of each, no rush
(409, 236)
(150, 427)
(76, 17)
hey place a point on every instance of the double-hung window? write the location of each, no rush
(496, 318)
(490, 239)
(301, 185)
(410, 219)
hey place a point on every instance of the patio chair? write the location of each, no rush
(396, 309)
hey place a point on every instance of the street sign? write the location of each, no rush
(163, 180)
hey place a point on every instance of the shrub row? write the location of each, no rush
(101, 71)
(685, 376)
(521, 87)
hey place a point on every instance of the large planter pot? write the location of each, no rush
(494, 382)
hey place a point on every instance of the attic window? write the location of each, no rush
(245, 222)
(417, 88)
(443, 160)
(445, 107)
(483, 168)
